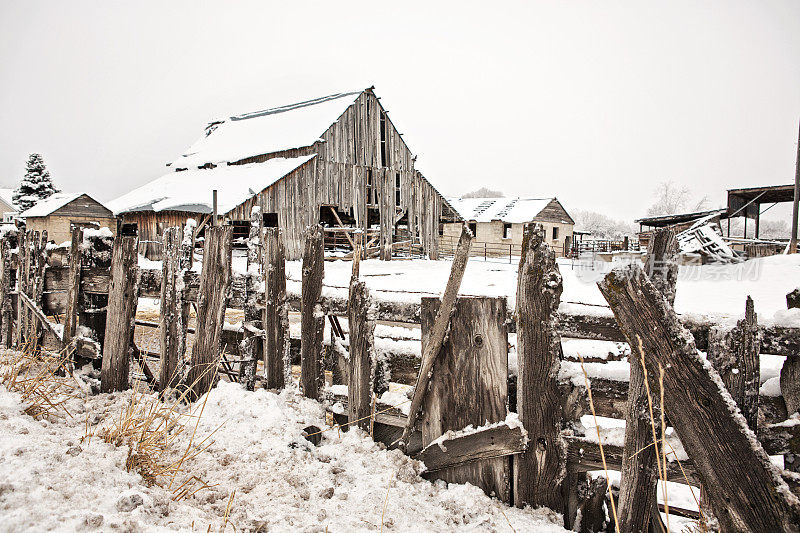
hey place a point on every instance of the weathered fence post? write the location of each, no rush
(5, 298)
(735, 356)
(744, 489)
(252, 345)
(312, 319)
(439, 329)
(639, 473)
(73, 288)
(122, 299)
(37, 292)
(539, 472)
(172, 330)
(22, 286)
(215, 280)
(470, 385)
(790, 387)
(361, 368)
(276, 315)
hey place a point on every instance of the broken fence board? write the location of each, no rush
(485, 443)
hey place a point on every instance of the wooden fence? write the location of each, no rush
(528, 447)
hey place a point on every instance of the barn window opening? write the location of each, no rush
(506, 230)
(270, 220)
(127, 230)
(555, 232)
(369, 187)
(384, 154)
(473, 227)
(241, 232)
(397, 189)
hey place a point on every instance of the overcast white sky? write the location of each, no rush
(592, 102)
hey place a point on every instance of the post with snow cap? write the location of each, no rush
(277, 365)
(312, 317)
(540, 471)
(744, 488)
(361, 366)
(252, 346)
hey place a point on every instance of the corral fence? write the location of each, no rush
(525, 444)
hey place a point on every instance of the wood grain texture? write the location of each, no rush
(73, 286)
(488, 443)
(276, 313)
(745, 491)
(539, 472)
(122, 301)
(171, 329)
(312, 317)
(361, 367)
(6, 326)
(215, 280)
(252, 345)
(431, 349)
(468, 384)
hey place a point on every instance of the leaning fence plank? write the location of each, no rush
(276, 316)
(639, 475)
(215, 280)
(171, 330)
(252, 345)
(539, 472)
(312, 319)
(744, 488)
(361, 368)
(439, 328)
(122, 299)
(73, 286)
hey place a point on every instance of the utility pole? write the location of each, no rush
(793, 241)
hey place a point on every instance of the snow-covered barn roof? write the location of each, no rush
(191, 190)
(512, 210)
(271, 130)
(53, 203)
(7, 196)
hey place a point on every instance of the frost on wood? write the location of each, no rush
(538, 476)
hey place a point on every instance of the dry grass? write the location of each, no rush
(41, 377)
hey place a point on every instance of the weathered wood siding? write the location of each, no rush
(350, 150)
(151, 227)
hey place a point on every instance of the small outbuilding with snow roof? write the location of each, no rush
(61, 212)
(336, 160)
(498, 222)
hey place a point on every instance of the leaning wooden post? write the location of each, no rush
(172, 331)
(5, 288)
(122, 299)
(540, 471)
(276, 314)
(73, 288)
(312, 319)
(639, 472)
(252, 345)
(438, 331)
(744, 488)
(215, 281)
(361, 368)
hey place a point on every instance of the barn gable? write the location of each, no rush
(68, 204)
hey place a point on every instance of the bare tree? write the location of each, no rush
(601, 225)
(670, 199)
(483, 192)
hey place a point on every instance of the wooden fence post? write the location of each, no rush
(639, 474)
(361, 368)
(122, 299)
(470, 385)
(40, 260)
(539, 472)
(790, 387)
(312, 320)
(215, 281)
(5, 288)
(744, 489)
(22, 286)
(276, 315)
(252, 345)
(73, 288)
(172, 330)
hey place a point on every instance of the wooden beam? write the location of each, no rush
(73, 286)
(312, 320)
(171, 329)
(341, 224)
(252, 345)
(439, 328)
(37, 313)
(362, 355)
(485, 443)
(743, 486)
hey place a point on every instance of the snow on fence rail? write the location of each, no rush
(92, 287)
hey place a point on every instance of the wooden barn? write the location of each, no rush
(338, 160)
(499, 221)
(61, 212)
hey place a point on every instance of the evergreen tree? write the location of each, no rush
(35, 186)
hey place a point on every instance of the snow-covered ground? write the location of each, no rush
(52, 479)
